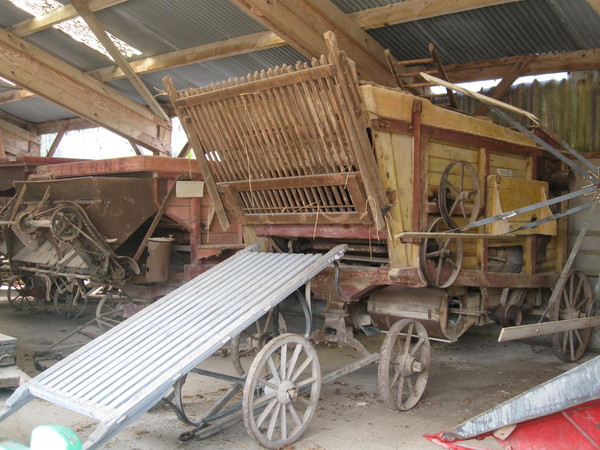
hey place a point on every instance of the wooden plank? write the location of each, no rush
(57, 16)
(59, 82)
(426, 235)
(98, 30)
(334, 179)
(587, 59)
(20, 132)
(304, 218)
(595, 4)
(14, 95)
(200, 158)
(57, 139)
(541, 329)
(2, 152)
(411, 10)
(507, 81)
(202, 53)
(256, 86)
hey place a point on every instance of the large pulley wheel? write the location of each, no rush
(281, 391)
(404, 365)
(574, 301)
(66, 223)
(255, 338)
(25, 292)
(70, 300)
(440, 258)
(459, 193)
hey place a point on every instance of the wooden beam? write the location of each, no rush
(411, 10)
(20, 132)
(2, 153)
(101, 34)
(14, 95)
(57, 16)
(546, 63)
(203, 53)
(507, 81)
(302, 23)
(595, 4)
(39, 72)
(136, 149)
(57, 139)
(55, 126)
(184, 150)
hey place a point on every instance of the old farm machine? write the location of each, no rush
(307, 158)
(130, 226)
(370, 199)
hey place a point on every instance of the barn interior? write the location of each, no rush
(418, 178)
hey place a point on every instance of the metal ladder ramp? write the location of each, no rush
(123, 373)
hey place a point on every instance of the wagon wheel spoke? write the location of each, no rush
(575, 300)
(404, 364)
(278, 410)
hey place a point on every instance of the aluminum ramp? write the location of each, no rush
(123, 373)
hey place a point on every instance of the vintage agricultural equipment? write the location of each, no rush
(132, 226)
(307, 158)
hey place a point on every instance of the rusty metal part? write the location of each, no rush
(70, 298)
(453, 200)
(114, 307)
(507, 315)
(404, 365)
(66, 223)
(284, 367)
(445, 314)
(440, 258)
(574, 301)
(336, 330)
(158, 260)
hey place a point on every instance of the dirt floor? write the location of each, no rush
(466, 378)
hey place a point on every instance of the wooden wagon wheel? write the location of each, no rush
(440, 258)
(281, 391)
(404, 365)
(453, 197)
(574, 301)
(109, 312)
(25, 292)
(70, 299)
(262, 332)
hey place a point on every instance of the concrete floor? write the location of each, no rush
(466, 379)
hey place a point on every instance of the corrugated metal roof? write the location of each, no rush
(157, 26)
(531, 26)
(203, 74)
(36, 110)
(11, 15)
(67, 49)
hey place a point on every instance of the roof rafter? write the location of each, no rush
(100, 33)
(39, 72)
(411, 10)
(301, 23)
(595, 4)
(57, 16)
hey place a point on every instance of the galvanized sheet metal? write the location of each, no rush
(572, 388)
(124, 372)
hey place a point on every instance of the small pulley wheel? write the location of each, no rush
(66, 223)
(440, 258)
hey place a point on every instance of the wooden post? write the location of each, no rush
(56, 142)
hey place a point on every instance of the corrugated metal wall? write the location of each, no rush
(569, 107)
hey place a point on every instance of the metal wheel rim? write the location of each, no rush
(399, 389)
(575, 300)
(69, 304)
(111, 318)
(425, 256)
(460, 193)
(16, 296)
(269, 400)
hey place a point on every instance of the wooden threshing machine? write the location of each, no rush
(307, 158)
